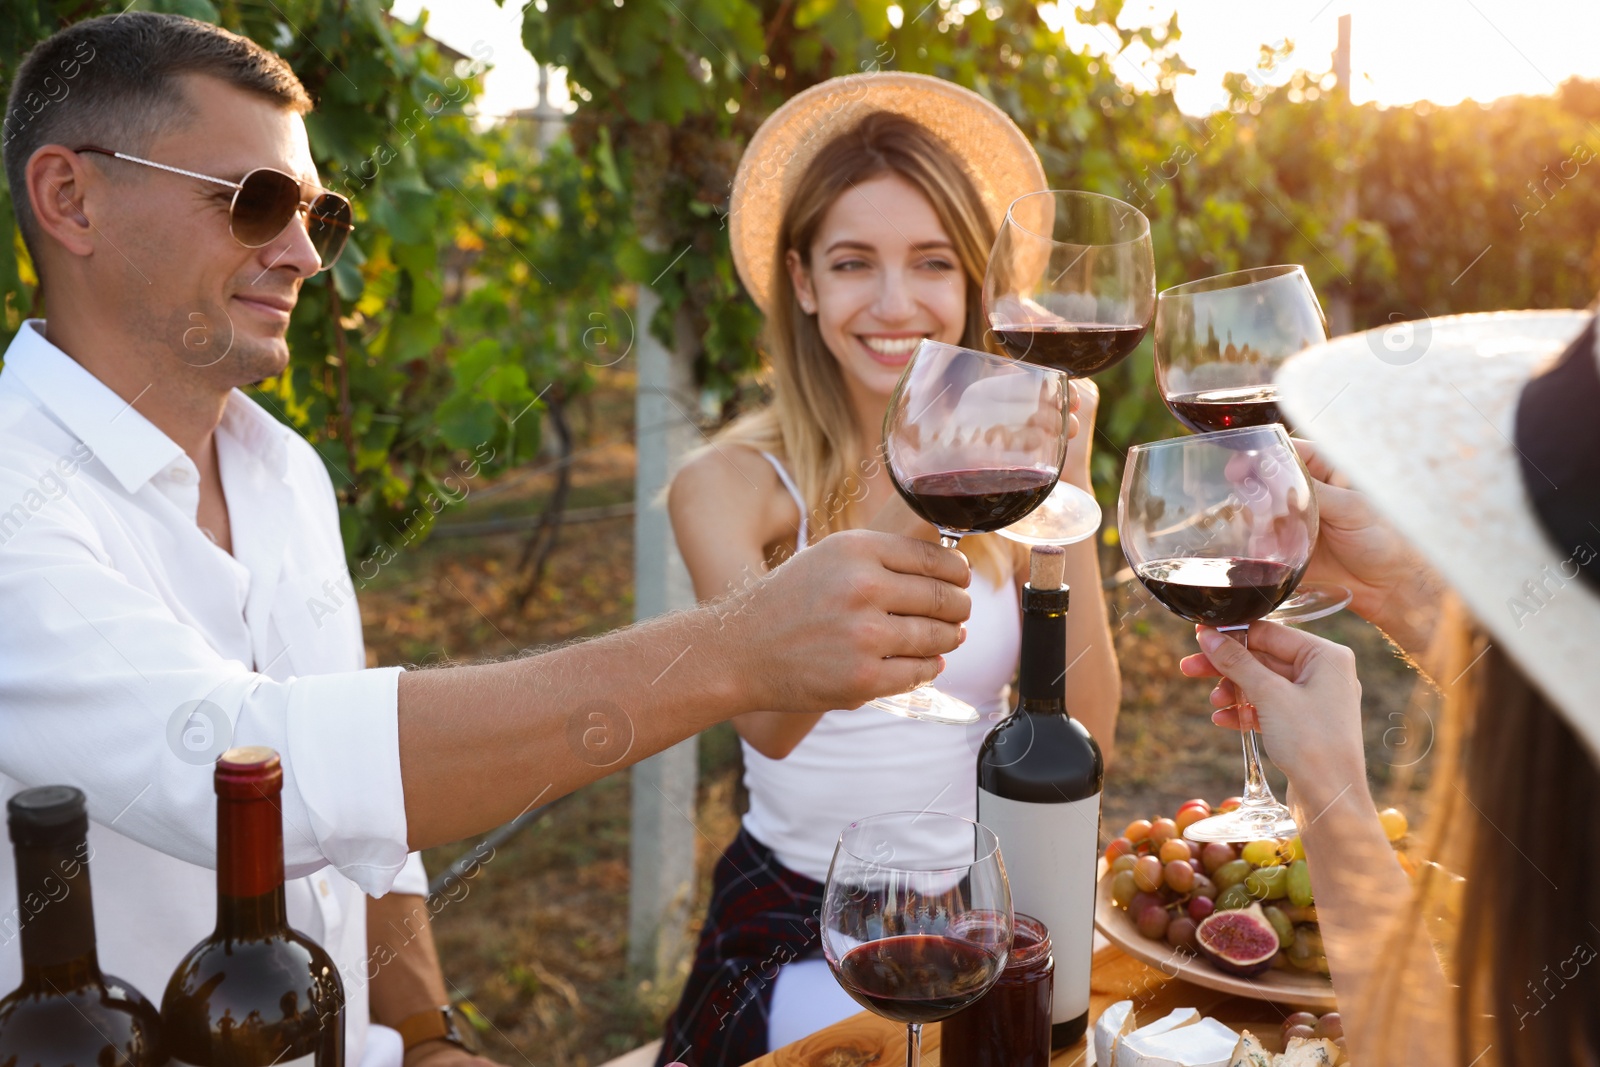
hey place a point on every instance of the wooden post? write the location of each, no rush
(1340, 317)
(662, 838)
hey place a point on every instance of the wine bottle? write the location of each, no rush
(255, 993)
(66, 1011)
(1039, 781)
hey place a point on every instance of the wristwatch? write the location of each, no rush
(437, 1024)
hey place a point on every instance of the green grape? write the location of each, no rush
(1233, 897)
(1300, 884)
(1123, 888)
(1123, 863)
(1231, 873)
(1268, 883)
(1281, 925)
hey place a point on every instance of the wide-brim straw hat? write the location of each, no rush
(1478, 437)
(997, 157)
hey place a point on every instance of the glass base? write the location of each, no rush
(1311, 600)
(1067, 516)
(928, 704)
(1268, 820)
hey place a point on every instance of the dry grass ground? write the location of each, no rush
(536, 946)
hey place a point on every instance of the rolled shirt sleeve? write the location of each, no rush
(105, 686)
(413, 877)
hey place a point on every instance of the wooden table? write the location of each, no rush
(868, 1039)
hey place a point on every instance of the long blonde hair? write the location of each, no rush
(809, 421)
(1514, 807)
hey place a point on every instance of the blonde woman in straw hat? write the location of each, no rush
(861, 221)
(1482, 451)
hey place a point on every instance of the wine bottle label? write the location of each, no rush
(1050, 852)
(308, 1060)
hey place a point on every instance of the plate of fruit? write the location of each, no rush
(1241, 919)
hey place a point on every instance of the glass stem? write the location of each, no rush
(1256, 789)
(949, 540)
(913, 1044)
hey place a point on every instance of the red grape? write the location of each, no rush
(1180, 876)
(1214, 854)
(1176, 849)
(1147, 874)
(1180, 933)
(1153, 922)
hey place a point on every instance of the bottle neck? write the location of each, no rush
(57, 917)
(1042, 671)
(250, 900)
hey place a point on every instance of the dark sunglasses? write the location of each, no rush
(265, 201)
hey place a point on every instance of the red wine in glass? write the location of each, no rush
(1219, 591)
(1220, 527)
(918, 978)
(1078, 348)
(1227, 409)
(977, 500)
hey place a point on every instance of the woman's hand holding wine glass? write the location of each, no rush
(1307, 699)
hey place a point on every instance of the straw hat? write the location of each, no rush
(996, 156)
(1477, 436)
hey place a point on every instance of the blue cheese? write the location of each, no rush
(1249, 1052)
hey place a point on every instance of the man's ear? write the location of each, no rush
(58, 182)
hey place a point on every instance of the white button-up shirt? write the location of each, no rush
(133, 650)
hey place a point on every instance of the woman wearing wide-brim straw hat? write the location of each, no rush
(861, 220)
(1478, 442)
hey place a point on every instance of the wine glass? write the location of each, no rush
(1219, 341)
(1219, 527)
(916, 917)
(974, 442)
(1071, 284)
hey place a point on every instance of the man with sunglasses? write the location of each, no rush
(163, 538)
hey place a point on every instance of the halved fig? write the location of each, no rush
(1241, 941)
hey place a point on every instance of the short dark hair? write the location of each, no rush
(113, 81)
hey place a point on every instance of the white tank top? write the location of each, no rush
(865, 762)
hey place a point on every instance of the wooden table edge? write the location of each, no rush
(865, 1038)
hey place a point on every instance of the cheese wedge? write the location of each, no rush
(1206, 1043)
(1115, 1022)
(1174, 1020)
(1249, 1052)
(1309, 1052)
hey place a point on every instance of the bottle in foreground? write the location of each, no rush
(66, 1011)
(1039, 780)
(255, 993)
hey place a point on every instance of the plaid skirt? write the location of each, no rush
(762, 916)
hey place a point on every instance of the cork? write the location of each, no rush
(1047, 567)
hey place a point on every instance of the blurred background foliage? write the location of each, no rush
(490, 277)
(465, 310)
(1387, 209)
